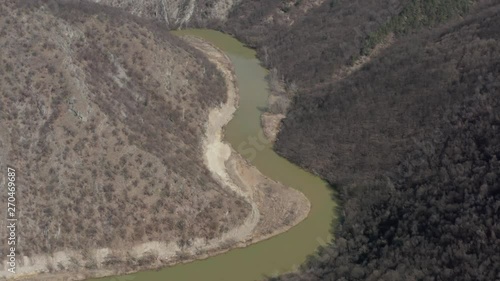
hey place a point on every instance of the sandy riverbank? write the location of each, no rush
(275, 207)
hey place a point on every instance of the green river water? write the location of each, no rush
(281, 253)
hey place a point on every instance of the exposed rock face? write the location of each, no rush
(177, 13)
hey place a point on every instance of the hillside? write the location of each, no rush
(437, 219)
(413, 138)
(102, 115)
(357, 128)
(177, 13)
(401, 115)
(395, 103)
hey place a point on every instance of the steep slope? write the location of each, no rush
(427, 112)
(437, 220)
(241, 17)
(177, 13)
(102, 116)
(355, 129)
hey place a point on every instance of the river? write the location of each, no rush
(281, 253)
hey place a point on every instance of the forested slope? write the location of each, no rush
(413, 140)
(437, 219)
(361, 125)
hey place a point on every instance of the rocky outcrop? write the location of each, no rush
(176, 13)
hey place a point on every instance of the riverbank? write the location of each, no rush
(278, 102)
(275, 208)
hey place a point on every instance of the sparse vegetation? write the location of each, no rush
(105, 112)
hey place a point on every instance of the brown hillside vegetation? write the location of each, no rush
(102, 116)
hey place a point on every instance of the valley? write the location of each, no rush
(150, 148)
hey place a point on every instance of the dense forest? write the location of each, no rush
(411, 138)
(306, 43)
(359, 127)
(360, 120)
(436, 218)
